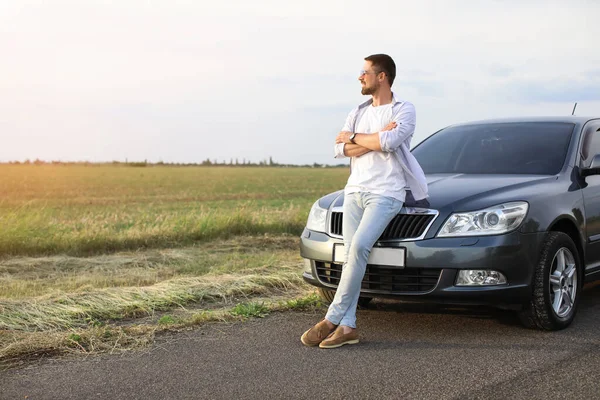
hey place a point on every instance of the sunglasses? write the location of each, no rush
(363, 72)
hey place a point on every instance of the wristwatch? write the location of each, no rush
(352, 138)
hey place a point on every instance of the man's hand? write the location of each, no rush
(343, 137)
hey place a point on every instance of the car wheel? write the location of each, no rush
(556, 285)
(327, 296)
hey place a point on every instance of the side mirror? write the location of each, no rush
(594, 168)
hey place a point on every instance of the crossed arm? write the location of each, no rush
(388, 139)
(355, 150)
(364, 142)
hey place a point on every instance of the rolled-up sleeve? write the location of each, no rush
(338, 149)
(405, 127)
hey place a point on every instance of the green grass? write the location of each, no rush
(85, 210)
(310, 302)
(166, 320)
(251, 309)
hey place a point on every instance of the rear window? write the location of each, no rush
(498, 148)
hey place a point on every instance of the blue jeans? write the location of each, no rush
(366, 216)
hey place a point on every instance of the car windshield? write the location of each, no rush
(497, 148)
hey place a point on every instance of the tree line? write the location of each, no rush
(206, 163)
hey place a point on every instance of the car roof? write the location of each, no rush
(574, 119)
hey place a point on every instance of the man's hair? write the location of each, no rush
(384, 63)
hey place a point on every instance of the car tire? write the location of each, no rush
(327, 296)
(557, 284)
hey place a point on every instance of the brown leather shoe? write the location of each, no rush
(316, 334)
(337, 339)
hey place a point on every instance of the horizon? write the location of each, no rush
(204, 163)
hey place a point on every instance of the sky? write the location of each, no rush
(183, 81)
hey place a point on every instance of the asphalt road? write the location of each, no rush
(407, 352)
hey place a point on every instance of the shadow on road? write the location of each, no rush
(590, 299)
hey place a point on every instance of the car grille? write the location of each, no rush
(385, 279)
(403, 226)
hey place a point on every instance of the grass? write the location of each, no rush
(102, 258)
(65, 292)
(68, 311)
(249, 310)
(18, 348)
(56, 275)
(106, 303)
(86, 210)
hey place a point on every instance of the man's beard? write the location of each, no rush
(369, 90)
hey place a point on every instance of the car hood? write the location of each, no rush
(459, 192)
(456, 190)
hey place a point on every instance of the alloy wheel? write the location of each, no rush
(563, 282)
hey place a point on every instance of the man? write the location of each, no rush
(377, 136)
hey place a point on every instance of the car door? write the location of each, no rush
(591, 194)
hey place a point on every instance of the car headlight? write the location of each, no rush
(317, 218)
(491, 221)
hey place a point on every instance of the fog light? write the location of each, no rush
(307, 266)
(480, 277)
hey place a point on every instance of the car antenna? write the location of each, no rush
(574, 107)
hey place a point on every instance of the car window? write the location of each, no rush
(591, 144)
(497, 148)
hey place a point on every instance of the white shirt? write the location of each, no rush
(387, 172)
(376, 172)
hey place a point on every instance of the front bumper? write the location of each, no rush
(514, 254)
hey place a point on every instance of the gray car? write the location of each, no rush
(512, 220)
